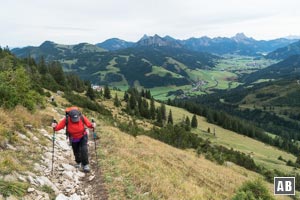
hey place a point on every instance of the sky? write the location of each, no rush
(31, 22)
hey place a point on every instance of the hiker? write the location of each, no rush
(77, 133)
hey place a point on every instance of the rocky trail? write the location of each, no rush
(67, 182)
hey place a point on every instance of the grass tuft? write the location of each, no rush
(13, 188)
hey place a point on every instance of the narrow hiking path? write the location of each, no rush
(67, 182)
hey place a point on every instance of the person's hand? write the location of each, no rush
(94, 124)
(54, 124)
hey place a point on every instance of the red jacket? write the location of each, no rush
(76, 129)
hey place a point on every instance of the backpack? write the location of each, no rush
(75, 115)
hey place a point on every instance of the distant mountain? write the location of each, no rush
(114, 44)
(157, 41)
(155, 61)
(293, 37)
(239, 44)
(51, 51)
(285, 52)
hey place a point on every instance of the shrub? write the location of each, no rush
(253, 190)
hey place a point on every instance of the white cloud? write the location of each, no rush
(72, 21)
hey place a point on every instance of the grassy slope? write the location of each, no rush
(262, 154)
(143, 168)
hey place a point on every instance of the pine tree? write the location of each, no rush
(132, 102)
(107, 94)
(117, 102)
(148, 94)
(90, 92)
(152, 109)
(187, 124)
(163, 111)
(55, 69)
(170, 118)
(169, 101)
(144, 109)
(194, 123)
(42, 66)
(159, 119)
(126, 96)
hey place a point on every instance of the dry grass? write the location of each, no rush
(18, 128)
(143, 168)
(262, 154)
(9, 162)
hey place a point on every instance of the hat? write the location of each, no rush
(75, 115)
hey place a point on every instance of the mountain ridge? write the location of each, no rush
(237, 44)
(285, 52)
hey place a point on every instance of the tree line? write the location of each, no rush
(239, 126)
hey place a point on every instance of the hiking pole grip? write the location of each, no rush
(94, 133)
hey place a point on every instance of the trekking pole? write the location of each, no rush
(94, 136)
(53, 139)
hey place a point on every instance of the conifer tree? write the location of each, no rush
(117, 102)
(148, 94)
(194, 123)
(126, 96)
(107, 94)
(159, 119)
(163, 111)
(90, 92)
(132, 102)
(55, 69)
(170, 118)
(42, 66)
(187, 124)
(152, 109)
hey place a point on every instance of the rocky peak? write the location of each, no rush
(240, 37)
(156, 40)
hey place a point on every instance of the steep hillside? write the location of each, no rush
(285, 52)
(286, 69)
(184, 175)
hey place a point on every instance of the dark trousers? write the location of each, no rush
(80, 150)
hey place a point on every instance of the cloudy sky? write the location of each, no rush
(31, 22)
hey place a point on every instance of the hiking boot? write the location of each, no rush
(86, 168)
(77, 165)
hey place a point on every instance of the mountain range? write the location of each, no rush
(238, 44)
(152, 61)
(147, 64)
